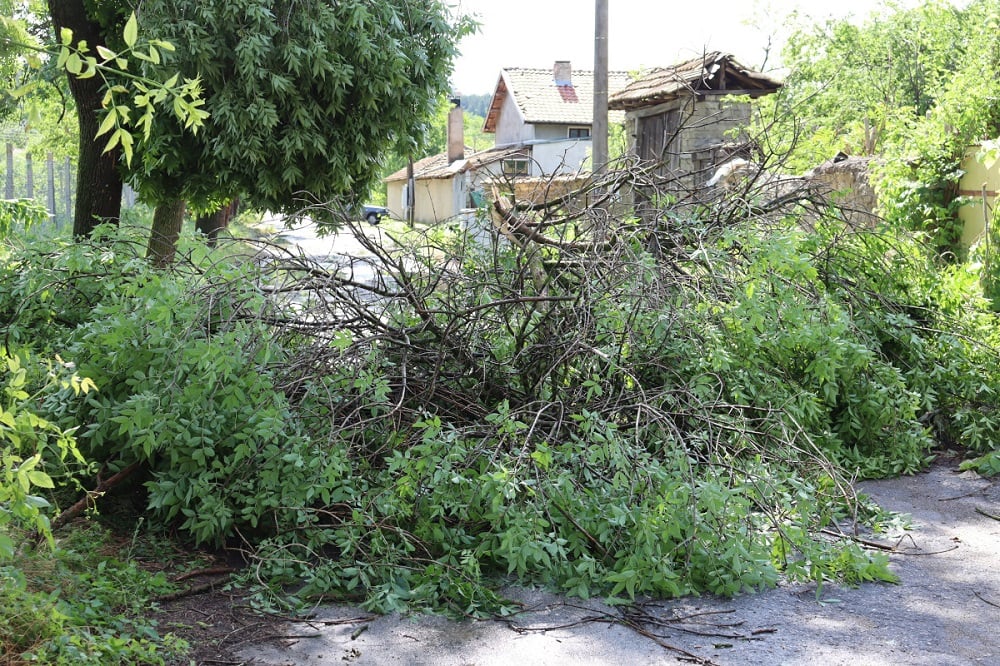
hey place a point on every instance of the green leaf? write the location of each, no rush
(40, 479)
(90, 70)
(23, 90)
(113, 140)
(127, 141)
(131, 33)
(107, 124)
(106, 53)
(73, 64)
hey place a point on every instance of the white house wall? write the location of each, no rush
(559, 157)
(511, 127)
(544, 132)
(394, 199)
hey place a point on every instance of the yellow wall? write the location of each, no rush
(434, 199)
(971, 184)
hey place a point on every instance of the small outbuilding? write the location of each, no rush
(679, 118)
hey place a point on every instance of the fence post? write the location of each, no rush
(9, 189)
(50, 171)
(29, 177)
(67, 189)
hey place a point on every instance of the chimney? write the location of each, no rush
(456, 131)
(563, 72)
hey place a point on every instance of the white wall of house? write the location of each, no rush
(559, 157)
(511, 127)
(548, 132)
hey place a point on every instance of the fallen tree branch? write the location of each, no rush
(985, 600)
(864, 542)
(629, 620)
(987, 514)
(191, 591)
(103, 486)
(211, 571)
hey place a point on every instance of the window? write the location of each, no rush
(515, 167)
(579, 132)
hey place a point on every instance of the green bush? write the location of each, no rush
(35, 454)
(20, 215)
(661, 424)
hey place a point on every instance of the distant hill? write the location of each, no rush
(476, 104)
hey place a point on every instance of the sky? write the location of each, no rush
(642, 33)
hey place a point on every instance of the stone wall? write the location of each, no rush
(846, 183)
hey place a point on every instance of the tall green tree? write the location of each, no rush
(922, 166)
(913, 86)
(46, 113)
(850, 82)
(306, 98)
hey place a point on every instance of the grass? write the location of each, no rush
(85, 602)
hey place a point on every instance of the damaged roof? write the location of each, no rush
(712, 72)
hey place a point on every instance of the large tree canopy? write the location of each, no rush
(305, 96)
(850, 81)
(914, 87)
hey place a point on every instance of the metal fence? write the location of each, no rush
(51, 182)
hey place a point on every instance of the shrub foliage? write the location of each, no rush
(678, 410)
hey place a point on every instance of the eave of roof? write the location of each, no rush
(437, 167)
(714, 72)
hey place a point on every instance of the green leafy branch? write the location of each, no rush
(128, 108)
(26, 451)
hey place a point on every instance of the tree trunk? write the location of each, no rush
(212, 224)
(98, 183)
(167, 221)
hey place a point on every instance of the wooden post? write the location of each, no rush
(599, 134)
(9, 189)
(598, 214)
(67, 184)
(411, 199)
(50, 172)
(29, 176)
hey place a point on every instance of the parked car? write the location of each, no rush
(374, 214)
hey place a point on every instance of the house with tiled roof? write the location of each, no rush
(449, 184)
(541, 119)
(549, 114)
(679, 119)
(443, 189)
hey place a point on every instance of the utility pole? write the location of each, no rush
(599, 133)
